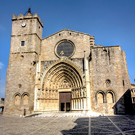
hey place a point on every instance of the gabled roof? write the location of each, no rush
(66, 30)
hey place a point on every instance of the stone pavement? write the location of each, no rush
(102, 125)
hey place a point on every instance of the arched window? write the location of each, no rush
(100, 98)
(17, 99)
(110, 97)
(25, 100)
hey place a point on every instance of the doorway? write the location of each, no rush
(67, 107)
(65, 101)
(62, 106)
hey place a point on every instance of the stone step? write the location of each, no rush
(65, 114)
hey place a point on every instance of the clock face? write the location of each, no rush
(23, 24)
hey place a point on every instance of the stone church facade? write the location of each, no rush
(65, 71)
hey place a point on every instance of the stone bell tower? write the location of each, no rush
(25, 48)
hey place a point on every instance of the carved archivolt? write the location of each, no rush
(61, 76)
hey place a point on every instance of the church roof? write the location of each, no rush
(68, 31)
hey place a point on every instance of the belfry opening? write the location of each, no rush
(62, 89)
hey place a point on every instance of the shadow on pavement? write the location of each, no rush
(82, 127)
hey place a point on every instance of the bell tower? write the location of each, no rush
(26, 33)
(25, 49)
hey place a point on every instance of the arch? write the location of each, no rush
(17, 99)
(63, 73)
(100, 97)
(62, 68)
(59, 71)
(110, 96)
(25, 98)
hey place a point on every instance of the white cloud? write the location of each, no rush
(1, 65)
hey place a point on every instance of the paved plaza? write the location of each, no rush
(102, 125)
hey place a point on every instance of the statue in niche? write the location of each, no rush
(38, 93)
(56, 94)
(65, 84)
(47, 95)
(81, 92)
(42, 93)
(84, 92)
(77, 93)
(72, 93)
(53, 94)
(50, 94)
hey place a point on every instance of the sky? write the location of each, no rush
(112, 22)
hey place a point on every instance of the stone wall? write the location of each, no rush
(80, 40)
(20, 81)
(35, 72)
(108, 75)
(21, 71)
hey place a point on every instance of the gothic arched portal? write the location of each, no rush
(62, 86)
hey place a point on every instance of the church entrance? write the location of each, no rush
(65, 101)
(62, 88)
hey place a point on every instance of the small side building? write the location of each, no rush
(133, 95)
(2, 105)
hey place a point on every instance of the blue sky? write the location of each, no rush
(112, 22)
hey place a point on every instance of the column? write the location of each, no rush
(35, 99)
(79, 104)
(72, 105)
(84, 103)
(87, 83)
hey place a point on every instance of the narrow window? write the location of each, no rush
(123, 83)
(20, 85)
(22, 43)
